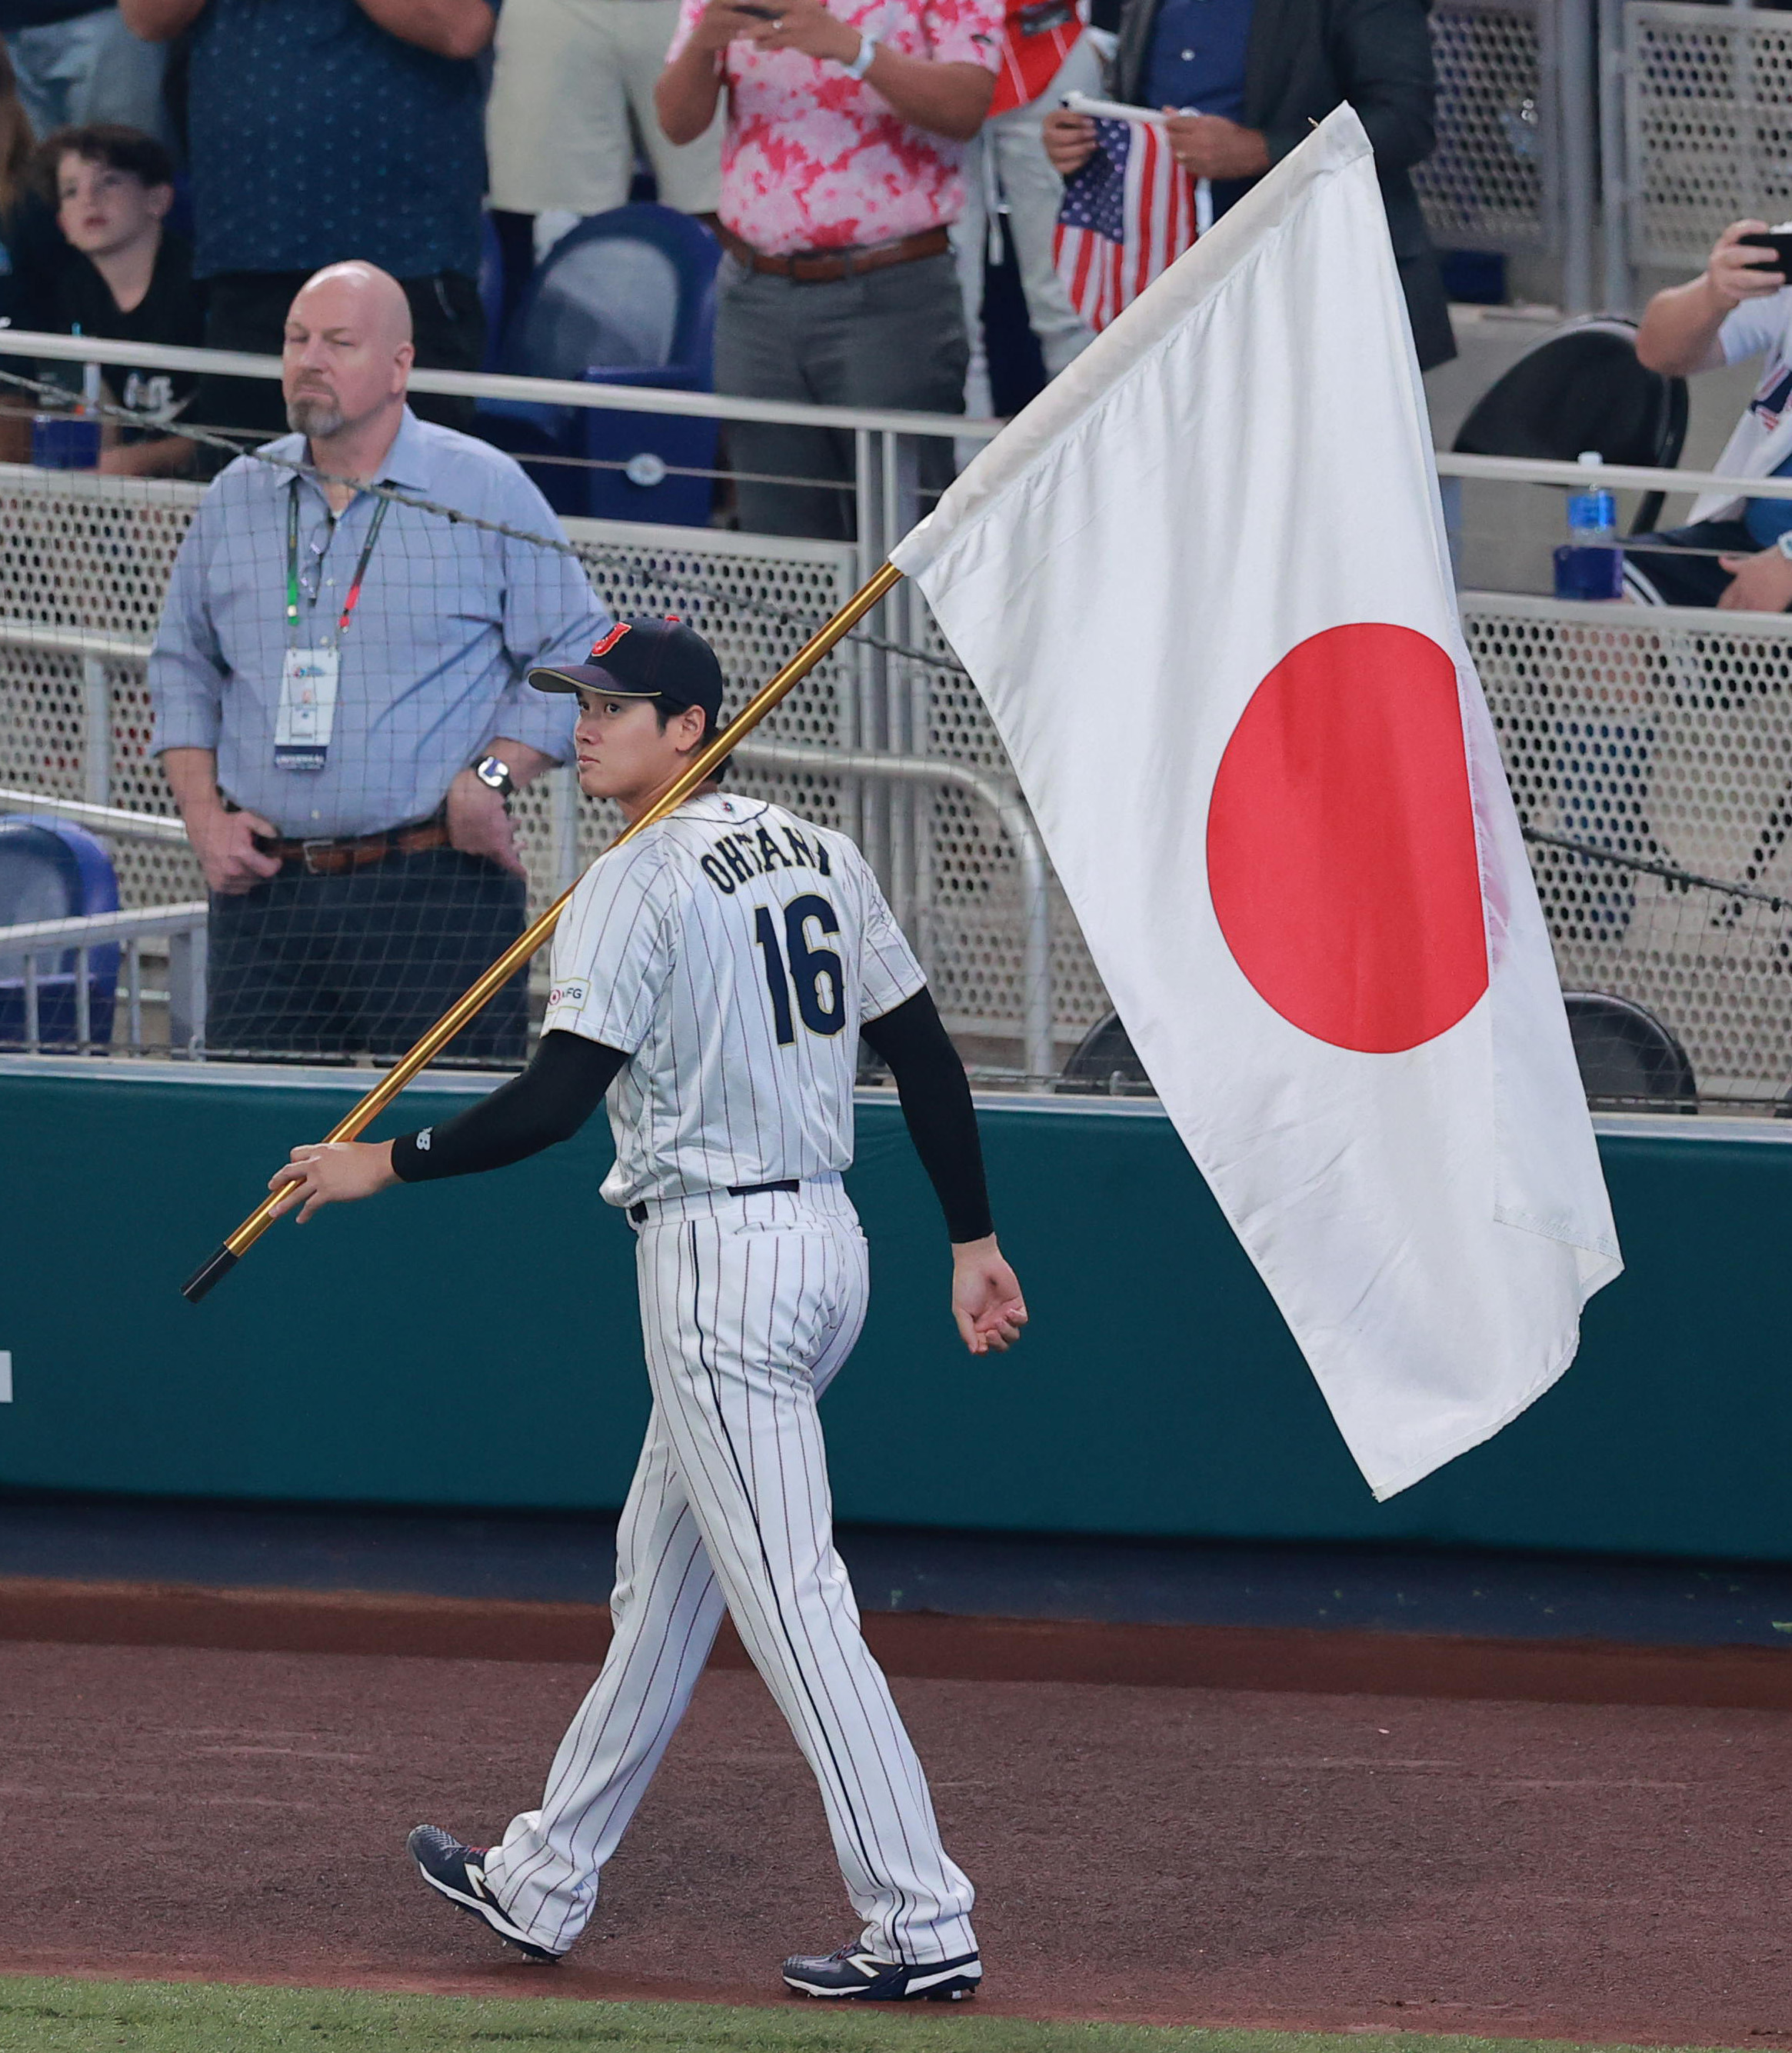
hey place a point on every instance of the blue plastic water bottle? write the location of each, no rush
(1590, 564)
(65, 442)
(70, 441)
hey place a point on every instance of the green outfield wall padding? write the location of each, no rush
(476, 1342)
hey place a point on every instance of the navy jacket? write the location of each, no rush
(1304, 58)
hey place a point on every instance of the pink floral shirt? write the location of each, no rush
(812, 160)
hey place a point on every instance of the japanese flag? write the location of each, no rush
(1201, 584)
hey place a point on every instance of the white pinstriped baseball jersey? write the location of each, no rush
(732, 950)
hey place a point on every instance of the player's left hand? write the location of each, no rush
(330, 1172)
(1208, 146)
(986, 1300)
(1759, 583)
(478, 824)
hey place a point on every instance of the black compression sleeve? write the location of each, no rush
(549, 1101)
(936, 1104)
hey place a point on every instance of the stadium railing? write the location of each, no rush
(1650, 750)
(39, 943)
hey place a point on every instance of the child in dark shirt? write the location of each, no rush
(126, 278)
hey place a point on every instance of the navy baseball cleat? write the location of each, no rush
(459, 1872)
(853, 1972)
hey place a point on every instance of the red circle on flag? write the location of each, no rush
(1341, 841)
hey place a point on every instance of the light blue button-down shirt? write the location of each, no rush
(433, 664)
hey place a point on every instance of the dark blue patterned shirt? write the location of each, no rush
(317, 136)
(1198, 57)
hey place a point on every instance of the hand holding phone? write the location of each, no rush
(1777, 241)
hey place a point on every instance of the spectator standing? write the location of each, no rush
(1262, 73)
(16, 196)
(19, 260)
(572, 92)
(323, 129)
(125, 276)
(340, 706)
(1045, 53)
(841, 175)
(78, 63)
(1735, 552)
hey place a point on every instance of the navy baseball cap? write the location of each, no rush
(645, 657)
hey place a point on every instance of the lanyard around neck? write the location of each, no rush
(354, 598)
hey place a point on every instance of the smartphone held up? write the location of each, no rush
(1779, 242)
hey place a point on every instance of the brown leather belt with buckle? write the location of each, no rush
(823, 267)
(334, 858)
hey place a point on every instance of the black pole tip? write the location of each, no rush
(213, 1271)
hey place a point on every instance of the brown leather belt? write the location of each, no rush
(335, 858)
(823, 267)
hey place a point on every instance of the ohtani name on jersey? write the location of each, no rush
(735, 859)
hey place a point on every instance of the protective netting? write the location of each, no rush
(1708, 106)
(86, 562)
(1656, 743)
(1489, 183)
(1663, 736)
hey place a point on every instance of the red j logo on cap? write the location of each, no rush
(610, 640)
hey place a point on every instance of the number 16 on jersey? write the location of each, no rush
(791, 964)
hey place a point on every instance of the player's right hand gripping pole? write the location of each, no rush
(702, 767)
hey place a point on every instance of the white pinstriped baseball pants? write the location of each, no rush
(749, 1306)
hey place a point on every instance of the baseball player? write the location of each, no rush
(713, 976)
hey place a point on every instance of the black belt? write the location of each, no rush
(638, 1213)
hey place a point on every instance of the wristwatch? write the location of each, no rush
(494, 773)
(868, 49)
(1783, 544)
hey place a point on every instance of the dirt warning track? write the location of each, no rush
(1174, 1854)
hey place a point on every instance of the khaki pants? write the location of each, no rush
(1006, 170)
(572, 89)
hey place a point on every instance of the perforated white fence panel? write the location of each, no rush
(1491, 182)
(1665, 735)
(1708, 110)
(970, 911)
(93, 554)
(695, 574)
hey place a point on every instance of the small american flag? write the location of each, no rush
(1127, 215)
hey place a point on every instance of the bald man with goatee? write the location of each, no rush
(341, 709)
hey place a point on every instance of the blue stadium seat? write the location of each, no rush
(50, 871)
(625, 298)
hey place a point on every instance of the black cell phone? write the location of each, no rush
(1779, 240)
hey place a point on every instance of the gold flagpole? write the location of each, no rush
(702, 766)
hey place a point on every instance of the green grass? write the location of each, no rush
(61, 2016)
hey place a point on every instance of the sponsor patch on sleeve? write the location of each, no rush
(574, 991)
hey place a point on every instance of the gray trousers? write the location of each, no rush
(890, 338)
